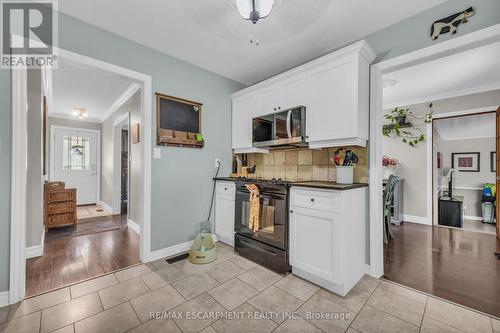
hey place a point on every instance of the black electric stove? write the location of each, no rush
(266, 244)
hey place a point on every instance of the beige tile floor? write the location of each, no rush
(233, 295)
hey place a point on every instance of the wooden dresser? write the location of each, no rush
(59, 205)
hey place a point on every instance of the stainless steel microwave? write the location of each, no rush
(281, 129)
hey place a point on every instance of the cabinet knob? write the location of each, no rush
(291, 212)
(274, 109)
(279, 107)
(312, 199)
(225, 188)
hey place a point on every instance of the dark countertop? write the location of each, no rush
(227, 179)
(313, 184)
(329, 185)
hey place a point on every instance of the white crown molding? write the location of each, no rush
(439, 97)
(131, 90)
(359, 48)
(65, 116)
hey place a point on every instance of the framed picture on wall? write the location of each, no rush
(466, 162)
(493, 161)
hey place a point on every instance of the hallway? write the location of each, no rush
(456, 265)
(71, 259)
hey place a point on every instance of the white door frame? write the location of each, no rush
(19, 159)
(456, 45)
(53, 128)
(116, 188)
(431, 196)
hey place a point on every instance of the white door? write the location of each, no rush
(74, 161)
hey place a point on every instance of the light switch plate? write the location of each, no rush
(156, 153)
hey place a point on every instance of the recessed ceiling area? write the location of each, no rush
(467, 127)
(75, 85)
(295, 32)
(459, 74)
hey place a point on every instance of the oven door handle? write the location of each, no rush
(249, 244)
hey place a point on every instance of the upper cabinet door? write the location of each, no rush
(332, 101)
(244, 108)
(270, 99)
(294, 91)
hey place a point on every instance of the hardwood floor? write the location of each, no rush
(456, 265)
(72, 259)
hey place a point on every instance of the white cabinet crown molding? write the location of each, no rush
(362, 48)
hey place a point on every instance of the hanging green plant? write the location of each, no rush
(401, 126)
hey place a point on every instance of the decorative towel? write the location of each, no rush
(253, 218)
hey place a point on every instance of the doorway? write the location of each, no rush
(124, 171)
(439, 261)
(75, 160)
(18, 271)
(464, 149)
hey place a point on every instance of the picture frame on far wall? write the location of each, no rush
(493, 161)
(466, 162)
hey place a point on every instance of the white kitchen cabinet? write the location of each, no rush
(285, 94)
(327, 236)
(244, 109)
(337, 108)
(224, 211)
(293, 91)
(270, 99)
(334, 89)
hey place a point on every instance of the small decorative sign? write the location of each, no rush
(450, 24)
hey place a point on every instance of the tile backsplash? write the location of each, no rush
(305, 164)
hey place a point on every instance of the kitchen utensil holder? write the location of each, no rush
(345, 174)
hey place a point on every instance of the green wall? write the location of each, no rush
(182, 177)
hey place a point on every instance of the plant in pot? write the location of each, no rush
(400, 125)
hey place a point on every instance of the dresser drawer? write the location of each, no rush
(225, 188)
(61, 219)
(317, 199)
(61, 207)
(62, 195)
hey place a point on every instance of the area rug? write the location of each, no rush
(85, 227)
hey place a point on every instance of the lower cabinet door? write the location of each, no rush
(224, 219)
(314, 242)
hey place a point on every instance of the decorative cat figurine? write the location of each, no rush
(450, 23)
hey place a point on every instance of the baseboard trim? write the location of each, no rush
(169, 251)
(37, 250)
(417, 219)
(134, 226)
(4, 298)
(474, 218)
(105, 206)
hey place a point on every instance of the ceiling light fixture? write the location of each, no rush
(80, 113)
(254, 10)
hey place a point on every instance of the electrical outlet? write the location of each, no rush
(217, 162)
